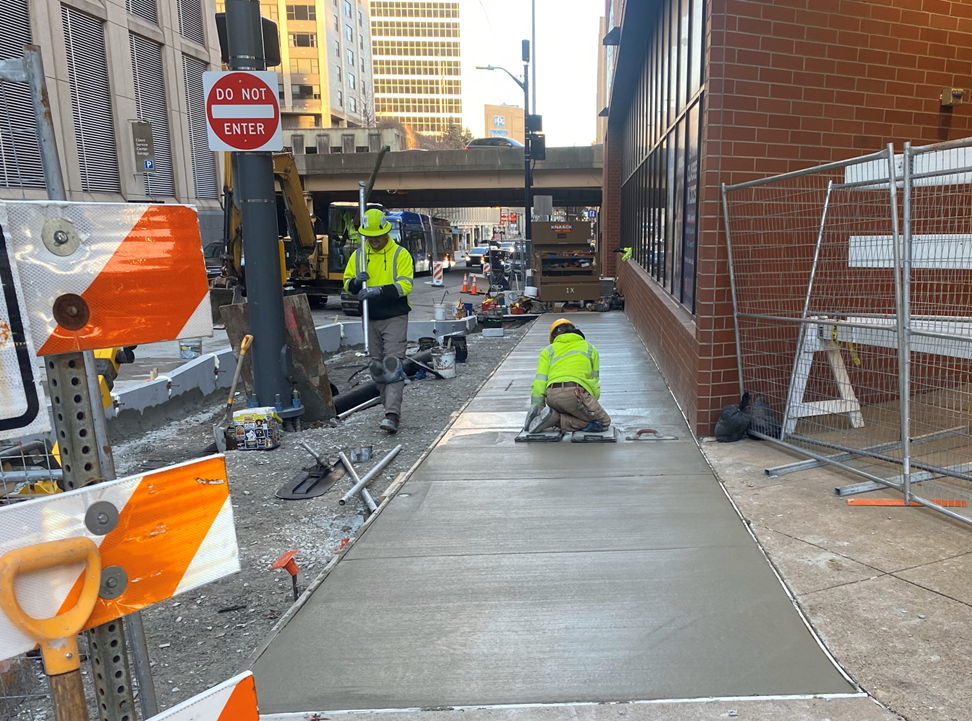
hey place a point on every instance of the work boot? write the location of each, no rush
(389, 423)
(547, 419)
(594, 427)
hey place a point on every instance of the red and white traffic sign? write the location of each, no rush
(242, 110)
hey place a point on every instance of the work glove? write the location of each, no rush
(368, 293)
(361, 277)
(531, 414)
(356, 283)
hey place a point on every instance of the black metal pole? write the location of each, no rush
(527, 179)
(258, 210)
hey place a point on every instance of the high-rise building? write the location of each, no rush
(504, 121)
(325, 62)
(417, 53)
(121, 76)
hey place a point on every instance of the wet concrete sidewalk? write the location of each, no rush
(539, 574)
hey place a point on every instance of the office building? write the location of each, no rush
(325, 62)
(504, 121)
(417, 53)
(703, 92)
(116, 71)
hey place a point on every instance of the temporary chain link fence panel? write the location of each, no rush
(853, 308)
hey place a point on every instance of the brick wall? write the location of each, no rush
(791, 84)
(610, 215)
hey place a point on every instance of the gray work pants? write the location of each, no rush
(387, 337)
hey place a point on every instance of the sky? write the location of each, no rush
(566, 63)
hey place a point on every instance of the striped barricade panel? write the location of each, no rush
(159, 534)
(233, 700)
(97, 275)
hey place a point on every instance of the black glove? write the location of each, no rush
(357, 282)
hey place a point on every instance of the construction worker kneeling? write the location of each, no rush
(566, 388)
(384, 280)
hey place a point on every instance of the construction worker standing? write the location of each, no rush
(566, 388)
(384, 279)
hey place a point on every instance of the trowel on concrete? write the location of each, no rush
(549, 436)
(608, 435)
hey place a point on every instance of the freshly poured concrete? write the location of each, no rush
(510, 573)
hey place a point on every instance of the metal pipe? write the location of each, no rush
(732, 287)
(904, 312)
(370, 474)
(30, 475)
(363, 262)
(816, 169)
(23, 449)
(34, 70)
(360, 407)
(802, 335)
(365, 493)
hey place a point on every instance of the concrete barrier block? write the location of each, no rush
(149, 395)
(225, 367)
(353, 333)
(198, 374)
(330, 337)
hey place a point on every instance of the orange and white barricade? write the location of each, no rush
(158, 534)
(233, 700)
(96, 275)
(437, 274)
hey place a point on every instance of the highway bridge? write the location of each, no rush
(483, 177)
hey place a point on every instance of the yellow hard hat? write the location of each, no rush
(556, 324)
(375, 223)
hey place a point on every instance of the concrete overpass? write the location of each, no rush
(484, 177)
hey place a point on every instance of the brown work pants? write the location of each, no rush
(387, 337)
(576, 408)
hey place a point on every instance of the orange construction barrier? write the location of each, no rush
(474, 290)
(465, 284)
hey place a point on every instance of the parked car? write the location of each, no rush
(474, 257)
(493, 142)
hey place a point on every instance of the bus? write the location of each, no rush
(445, 241)
(413, 232)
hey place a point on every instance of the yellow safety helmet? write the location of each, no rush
(375, 223)
(556, 324)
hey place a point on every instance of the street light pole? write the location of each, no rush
(527, 175)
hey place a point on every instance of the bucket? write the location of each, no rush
(440, 311)
(190, 349)
(426, 343)
(530, 291)
(458, 343)
(444, 362)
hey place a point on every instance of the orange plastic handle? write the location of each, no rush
(57, 635)
(245, 344)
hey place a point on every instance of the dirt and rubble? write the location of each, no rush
(203, 637)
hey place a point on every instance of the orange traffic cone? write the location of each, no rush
(465, 284)
(474, 290)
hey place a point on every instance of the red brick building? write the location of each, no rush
(704, 92)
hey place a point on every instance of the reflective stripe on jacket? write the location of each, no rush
(568, 358)
(392, 269)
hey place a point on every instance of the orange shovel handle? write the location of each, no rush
(56, 635)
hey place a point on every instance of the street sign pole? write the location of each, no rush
(86, 452)
(259, 218)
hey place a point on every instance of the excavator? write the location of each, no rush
(304, 256)
(309, 263)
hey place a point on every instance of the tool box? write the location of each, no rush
(565, 261)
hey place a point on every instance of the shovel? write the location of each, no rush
(56, 636)
(219, 429)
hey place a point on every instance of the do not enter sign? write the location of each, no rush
(242, 110)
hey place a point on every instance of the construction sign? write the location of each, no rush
(96, 275)
(23, 408)
(233, 700)
(158, 534)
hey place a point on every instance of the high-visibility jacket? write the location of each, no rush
(392, 269)
(569, 358)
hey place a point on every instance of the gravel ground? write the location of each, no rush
(203, 637)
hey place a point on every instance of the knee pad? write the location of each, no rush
(387, 370)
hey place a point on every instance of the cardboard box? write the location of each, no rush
(255, 429)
